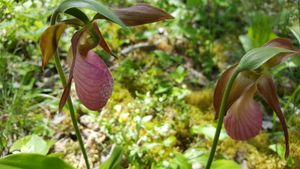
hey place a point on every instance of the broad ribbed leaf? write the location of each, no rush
(49, 41)
(89, 4)
(244, 118)
(267, 90)
(258, 56)
(32, 161)
(93, 81)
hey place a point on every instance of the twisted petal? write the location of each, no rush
(267, 90)
(93, 81)
(281, 43)
(243, 80)
(49, 41)
(102, 41)
(244, 118)
(67, 89)
(220, 87)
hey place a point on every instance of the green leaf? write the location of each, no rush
(194, 3)
(291, 63)
(180, 161)
(258, 56)
(77, 13)
(296, 31)
(196, 156)
(89, 4)
(224, 164)
(208, 131)
(32, 161)
(114, 160)
(246, 42)
(280, 150)
(31, 144)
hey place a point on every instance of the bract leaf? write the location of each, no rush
(258, 56)
(77, 13)
(49, 41)
(89, 4)
(141, 14)
(32, 161)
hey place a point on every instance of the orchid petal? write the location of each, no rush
(244, 118)
(220, 87)
(242, 81)
(281, 43)
(93, 81)
(102, 41)
(267, 90)
(49, 41)
(66, 92)
(87, 42)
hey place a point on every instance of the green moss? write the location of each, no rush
(201, 98)
(250, 154)
(119, 95)
(294, 147)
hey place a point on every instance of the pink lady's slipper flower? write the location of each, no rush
(93, 80)
(243, 118)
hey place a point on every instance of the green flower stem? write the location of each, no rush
(70, 104)
(221, 118)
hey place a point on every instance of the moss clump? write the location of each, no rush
(250, 155)
(199, 118)
(119, 95)
(294, 147)
(202, 99)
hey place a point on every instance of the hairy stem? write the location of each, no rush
(70, 104)
(221, 118)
